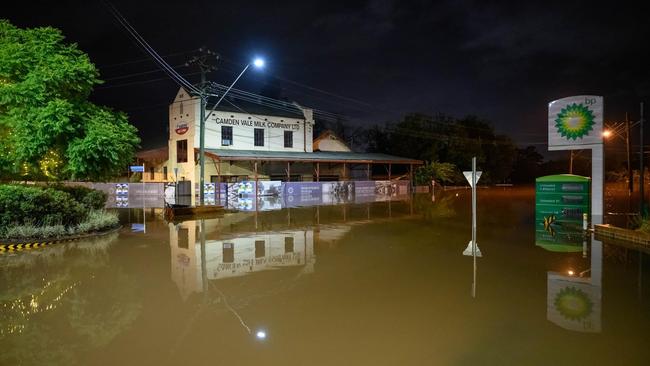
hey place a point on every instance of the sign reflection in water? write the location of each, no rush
(574, 299)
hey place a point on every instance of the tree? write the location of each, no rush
(527, 165)
(441, 172)
(441, 138)
(48, 128)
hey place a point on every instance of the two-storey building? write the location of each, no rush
(247, 141)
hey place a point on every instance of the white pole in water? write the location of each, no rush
(472, 247)
(474, 206)
(474, 223)
(144, 213)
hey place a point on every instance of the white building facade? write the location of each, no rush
(245, 141)
(226, 130)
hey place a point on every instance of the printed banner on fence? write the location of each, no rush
(302, 194)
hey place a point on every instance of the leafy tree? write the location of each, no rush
(441, 138)
(48, 128)
(441, 172)
(527, 165)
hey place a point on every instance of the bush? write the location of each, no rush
(91, 198)
(95, 221)
(25, 205)
(98, 220)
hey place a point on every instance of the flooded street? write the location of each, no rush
(382, 283)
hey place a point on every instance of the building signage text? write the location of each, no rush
(258, 124)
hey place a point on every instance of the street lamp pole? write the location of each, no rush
(203, 60)
(641, 168)
(259, 63)
(227, 90)
(202, 143)
(630, 176)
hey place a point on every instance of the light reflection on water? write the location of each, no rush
(376, 283)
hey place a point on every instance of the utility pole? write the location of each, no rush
(204, 61)
(642, 195)
(630, 176)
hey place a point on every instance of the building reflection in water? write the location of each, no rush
(243, 243)
(236, 255)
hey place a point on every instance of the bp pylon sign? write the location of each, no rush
(577, 123)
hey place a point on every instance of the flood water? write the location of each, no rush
(383, 283)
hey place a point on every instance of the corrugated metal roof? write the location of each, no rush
(159, 153)
(248, 107)
(322, 156)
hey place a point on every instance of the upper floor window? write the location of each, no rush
(226, 135)
(259, 136)
(288, 138)
(181, 151)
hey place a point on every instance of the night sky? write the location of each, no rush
(371, 61)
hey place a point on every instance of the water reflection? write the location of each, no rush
(234, 255)
(243, 243)
(58, 298)
(251, 288)
(574, 296)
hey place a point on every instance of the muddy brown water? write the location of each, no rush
(382, 283)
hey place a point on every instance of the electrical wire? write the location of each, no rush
(148, 49)
(127, 76)
(144, 59)
(104, 87)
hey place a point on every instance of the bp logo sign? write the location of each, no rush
(573, 303)
(574, 122)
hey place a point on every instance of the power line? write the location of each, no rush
(138, 82)
(126, 76)
(148, 49)
(143, 59)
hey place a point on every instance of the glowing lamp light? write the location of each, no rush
(258, 62)
(260, 334)
(607, 133)
(570, 272)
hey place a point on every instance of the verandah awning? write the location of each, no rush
(316, 156)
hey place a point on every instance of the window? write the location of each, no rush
(259, 137)
(181, 151)
(152, 175)
(288, 138)
(183, 238)
(288, 244)
(226, 135)
(228, 252)
(259, 248)
(165, 173)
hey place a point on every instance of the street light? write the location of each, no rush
(257, 63)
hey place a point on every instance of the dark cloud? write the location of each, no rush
(500, 60)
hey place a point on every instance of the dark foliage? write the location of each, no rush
(22, 205)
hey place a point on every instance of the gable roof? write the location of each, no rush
(329, 134)
(234, 104)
